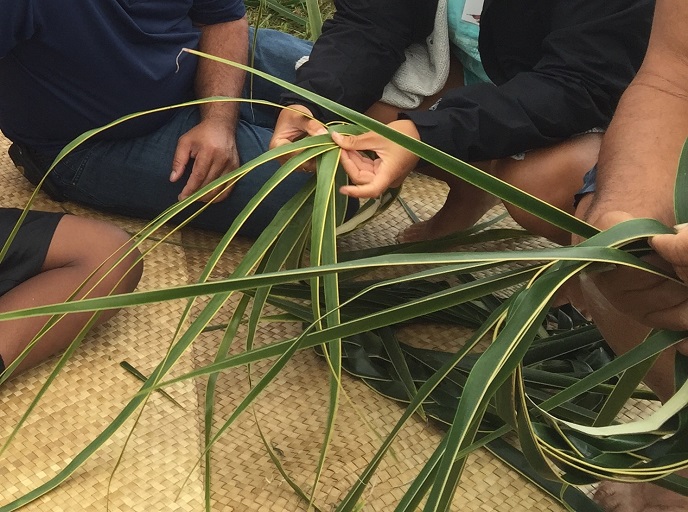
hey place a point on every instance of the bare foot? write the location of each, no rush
(465, 205)
(640, 497)
(427, 230)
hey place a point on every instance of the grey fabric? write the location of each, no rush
(426, 68)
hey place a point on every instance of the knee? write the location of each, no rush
(532, 175)
(128, 272)
(131, 269)
(277, 52)
(117, 263)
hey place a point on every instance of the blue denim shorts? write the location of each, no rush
(589, 183)
(131, 176)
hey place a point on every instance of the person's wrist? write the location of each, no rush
(220, 125)
(405, 126)
(298, 110)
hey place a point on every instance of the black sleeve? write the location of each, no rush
(588, 57)
(360, 49)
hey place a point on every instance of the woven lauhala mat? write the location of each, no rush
(92, 390)
(292, 411)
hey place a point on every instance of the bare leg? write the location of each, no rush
(642, 497)
(78, 247)
(623, 332)
(464, 206)
(552, 174)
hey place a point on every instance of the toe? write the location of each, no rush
(614, 497)
(414, 233)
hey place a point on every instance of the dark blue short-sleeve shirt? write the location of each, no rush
(69, 66)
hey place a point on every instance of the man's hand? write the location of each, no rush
(652, 300)
(674, 250)
(212, 143)
(212, 146)
(371, 178)
(295, 123)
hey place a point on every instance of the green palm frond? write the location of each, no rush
(551, 383)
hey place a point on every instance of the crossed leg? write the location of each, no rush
(553, 174)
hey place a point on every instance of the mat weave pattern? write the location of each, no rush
(91, 391)
(168, 440)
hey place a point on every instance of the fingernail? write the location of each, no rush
(681, 227)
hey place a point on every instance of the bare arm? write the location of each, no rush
(637, 170)
(212, 142)
(639, 155)
(229, 41)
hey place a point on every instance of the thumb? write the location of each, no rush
(314, 127)
(278, 141)
(349, 142)
(180, 160)
(673, 248)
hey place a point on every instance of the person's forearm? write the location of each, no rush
(229, 41)
(640, 152)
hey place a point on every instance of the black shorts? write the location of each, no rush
(29, 248)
